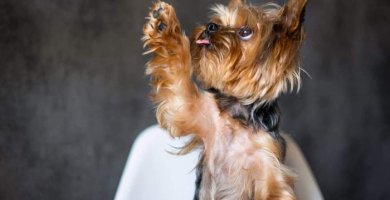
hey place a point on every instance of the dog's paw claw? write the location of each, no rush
(162, 26)
(156, 13)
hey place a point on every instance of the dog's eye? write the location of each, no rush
(245, 33)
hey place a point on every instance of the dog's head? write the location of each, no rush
(249, 52)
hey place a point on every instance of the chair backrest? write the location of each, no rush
(152, 173)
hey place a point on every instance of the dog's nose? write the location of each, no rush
(211, 27)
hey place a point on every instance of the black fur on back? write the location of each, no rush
(199, 176)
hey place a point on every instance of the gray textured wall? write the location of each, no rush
(73, 95)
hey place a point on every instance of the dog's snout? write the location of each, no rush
(212, 27)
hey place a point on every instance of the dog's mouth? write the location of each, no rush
(204, 38)
(203, 41)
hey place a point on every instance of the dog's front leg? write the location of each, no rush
(176, 96)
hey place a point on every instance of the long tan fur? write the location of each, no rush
(239, 163)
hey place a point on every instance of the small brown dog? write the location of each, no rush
(243, 59)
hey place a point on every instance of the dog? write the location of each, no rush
(221, 86)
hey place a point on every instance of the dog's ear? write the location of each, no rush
(292, 16)
(235, 3)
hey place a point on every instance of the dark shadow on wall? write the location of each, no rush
(73, 95)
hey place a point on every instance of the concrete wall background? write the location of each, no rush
(73, 95)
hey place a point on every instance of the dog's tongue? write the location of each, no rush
(203, 41)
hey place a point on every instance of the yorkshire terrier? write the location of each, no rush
(222, 86)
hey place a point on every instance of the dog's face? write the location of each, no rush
(249, 52)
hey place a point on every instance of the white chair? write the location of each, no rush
(152, 173)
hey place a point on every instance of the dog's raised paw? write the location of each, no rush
(159, 16)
